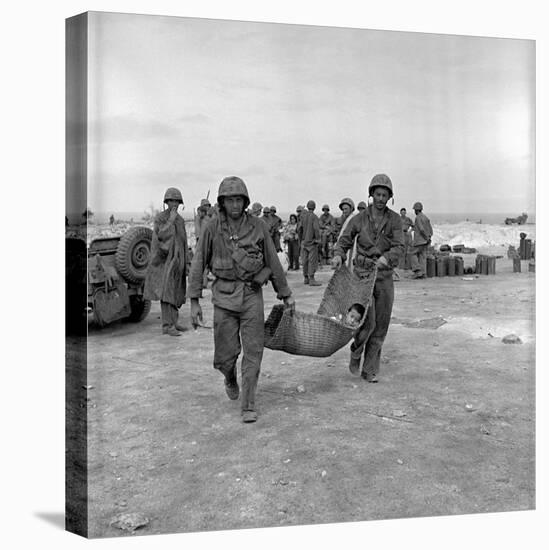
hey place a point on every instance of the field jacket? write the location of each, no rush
(235, 259)
(371, 243)
(309, 229)
(422, 230)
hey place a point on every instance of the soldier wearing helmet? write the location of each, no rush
(327, 227)
(237, 248)
(407, 226)
(256, 209)
(347, 207)
(421, 241)
(201, 217)
(309, 236)
(377, 232)
(361, 206)
(276, 227)
(167, 271)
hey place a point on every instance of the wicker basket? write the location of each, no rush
(317, 334)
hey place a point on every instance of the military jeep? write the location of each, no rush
(116, 269)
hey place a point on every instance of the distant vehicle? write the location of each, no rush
(520, 220)
(116, 269)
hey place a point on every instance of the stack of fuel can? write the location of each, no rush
(485, 265)
(526, 251)
(441, 264)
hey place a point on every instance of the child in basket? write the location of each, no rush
(354, 316)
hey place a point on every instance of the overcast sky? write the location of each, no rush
(304, 112)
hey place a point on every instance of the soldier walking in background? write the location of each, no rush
(379, 242)
(326, 223)
(309, 234)
(407, 226)
(422, 239)
(166, 274)
(239, 251)
(276, 225)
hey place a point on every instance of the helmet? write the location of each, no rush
(172, 193)
(299, 208)
(266, 210)
(311, 205)
(273, 209)
(233, 186)
(360, 205)
(381, 180)
(326, 207)
(256, 207)
(205, 202)
(417, 206)
(348, 201)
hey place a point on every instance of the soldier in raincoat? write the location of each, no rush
(166, 274)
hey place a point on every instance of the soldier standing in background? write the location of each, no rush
(326, 223)
(166, 274)
(202, 217)
(347, 207)
(276, 225)
(256, 209)
(422, 239)
(239, 251)
(407, 226)
(361, 206)
(309, 233)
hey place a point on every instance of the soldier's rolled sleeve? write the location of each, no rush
(278, 278)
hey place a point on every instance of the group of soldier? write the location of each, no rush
(239, 246)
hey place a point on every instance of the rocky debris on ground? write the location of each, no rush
(432, 323)
(511, 339)
(300, 388)
(130, 522)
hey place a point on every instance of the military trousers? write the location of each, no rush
(370, 337)
(310, 260)
(418, 258)
(241, 331)
(169, 314)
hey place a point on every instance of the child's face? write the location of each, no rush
(353, 317)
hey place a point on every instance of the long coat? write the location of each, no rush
(166, 275)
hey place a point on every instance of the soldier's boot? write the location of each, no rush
(369, 377)
(306, 281)
(172, 331)
(314, 282)
(354, 363)
(231, 387)
(181, 328)
(249, 416)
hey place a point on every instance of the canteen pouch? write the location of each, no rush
(247, 264)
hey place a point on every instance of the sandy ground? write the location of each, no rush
(449, 429)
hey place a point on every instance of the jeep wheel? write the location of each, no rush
(133, 254)
(140, 308)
